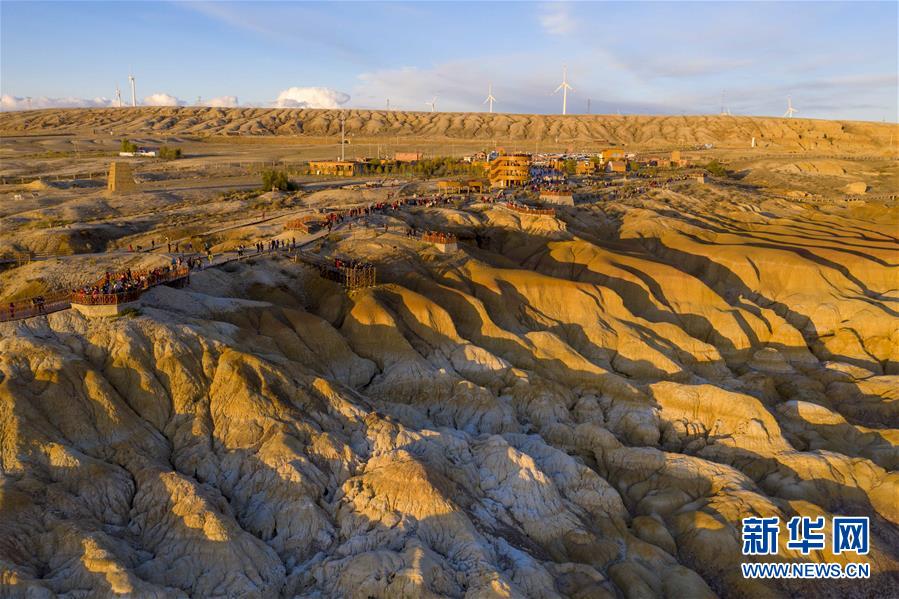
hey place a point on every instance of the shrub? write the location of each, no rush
(128, 146)
(273, 179)
(167, 153)
(716, 168)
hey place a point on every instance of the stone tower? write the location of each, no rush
(120, 179)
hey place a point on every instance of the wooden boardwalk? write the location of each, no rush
(351, 274)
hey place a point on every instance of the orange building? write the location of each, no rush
(449, 186)
(678, 160)
(585, 167)
(612, 154)
(408, 156)
(509, 170)
(336, 168)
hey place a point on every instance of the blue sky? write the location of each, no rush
(835, 59)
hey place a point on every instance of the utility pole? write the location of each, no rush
(342, 134)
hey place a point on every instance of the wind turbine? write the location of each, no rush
(388, 104)
(133, 93)
(490, 99)
(433, 104)
(790, 110)
(564, 87)
(118, 97)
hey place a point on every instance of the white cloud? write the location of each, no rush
(556, 19)
(159, 99)
(222, 102)
(9, 102)
(311, 97)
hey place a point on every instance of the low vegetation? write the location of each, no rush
(716, 168)
(167, 153)
(46, 223)
(276, 180)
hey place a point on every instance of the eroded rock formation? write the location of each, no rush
(584, 406)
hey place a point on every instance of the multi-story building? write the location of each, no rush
(612, 154)
(509, 170)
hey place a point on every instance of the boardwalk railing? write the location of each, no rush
(438, 237)
(306, 224)
(35, 306)
(106, 299)
(530, 210)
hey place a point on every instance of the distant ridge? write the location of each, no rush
(788, 134)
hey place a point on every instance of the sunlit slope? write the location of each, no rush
(680, 131)
(580, 405)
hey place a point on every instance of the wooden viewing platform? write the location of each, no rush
(529, 209)
(445, 242)
(306, 224)
(438, 237)
(350, 274)
(94, 302)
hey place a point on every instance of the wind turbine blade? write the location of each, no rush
(558, 89)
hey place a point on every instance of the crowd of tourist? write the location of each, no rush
(351, 263)
(130, 281)
(113, 284)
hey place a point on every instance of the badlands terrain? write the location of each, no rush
(579, 405)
